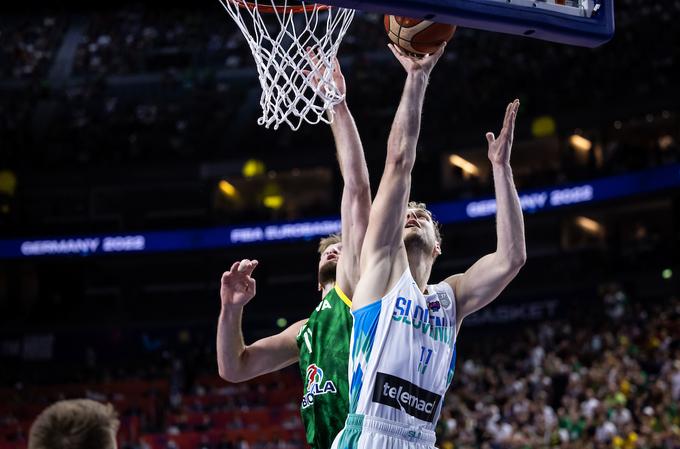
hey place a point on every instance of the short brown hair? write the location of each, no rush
(325, 242)
(423, 207)
(75, 424)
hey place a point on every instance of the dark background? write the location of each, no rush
(123, 117)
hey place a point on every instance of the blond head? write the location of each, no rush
(325, 242)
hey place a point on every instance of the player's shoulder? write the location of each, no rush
(445, 296)
(446, 286)
(335, 295)
(452, 283)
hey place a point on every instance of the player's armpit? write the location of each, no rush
(482, 283)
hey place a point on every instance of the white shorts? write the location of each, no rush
(367, 432)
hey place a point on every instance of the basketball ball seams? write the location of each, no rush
(418, 27)
(417, 36)
(394, 35)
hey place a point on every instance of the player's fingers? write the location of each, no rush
(242, 265)
(312, 56)
(508, 112)
(440, 50)
(312, 59)
(490, 138)
(511, 119)
(234, 267)
(508, 109)
(250, 267)
(312, 76)
(396, 53)
(396, 50)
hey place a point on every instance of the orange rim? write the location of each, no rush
(268, 9)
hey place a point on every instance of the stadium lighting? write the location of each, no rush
(281, 322)
(227, 189)
(253, 167)
(543, 126)
(8, 182)
(580, 143)
(667, 273)
(465, 165)
(589, 225)
(665, 142)
(273, 201)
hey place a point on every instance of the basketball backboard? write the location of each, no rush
(587, 23)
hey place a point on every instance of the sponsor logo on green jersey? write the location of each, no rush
(316, 385)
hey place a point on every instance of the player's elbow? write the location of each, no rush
(230, 375)
(400, 157)
(516, 261)
(513, 256)
(359, 188)
(520, 258)
(232, 371)
(509, 264)
(399, 164)
(225, 373)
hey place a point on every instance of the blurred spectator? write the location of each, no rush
(28, 45)
(75, 424)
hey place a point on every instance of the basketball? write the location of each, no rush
(417, 36)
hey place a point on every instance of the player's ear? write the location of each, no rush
(319, 286)
(437, 250)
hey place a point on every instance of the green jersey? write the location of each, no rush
(323, 342)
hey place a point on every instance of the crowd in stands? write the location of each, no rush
(28, 44)
(191, 119)
(183, 48)
(614, 384)
(607, 377)
(135, 39)
(150, 86)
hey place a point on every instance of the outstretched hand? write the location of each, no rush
(237, 286)
(414, 64)
(319, 74)
(499, 148)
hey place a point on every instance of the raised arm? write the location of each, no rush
(487, 278)
(237, 362)
(383, 256)
(356, 192)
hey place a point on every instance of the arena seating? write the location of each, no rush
(559, 384)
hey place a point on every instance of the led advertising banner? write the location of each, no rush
(532, 201)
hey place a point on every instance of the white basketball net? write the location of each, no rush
(297, 83)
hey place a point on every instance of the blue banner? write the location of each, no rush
(450, 212)
(544, 199)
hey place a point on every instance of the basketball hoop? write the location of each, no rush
(294, 45)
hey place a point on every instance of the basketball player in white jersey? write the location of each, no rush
(403, 340)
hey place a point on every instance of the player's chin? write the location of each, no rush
(327, 272)
(412, 235)
(329, 265)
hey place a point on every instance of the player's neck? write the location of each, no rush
(325, 288)
(421, 266)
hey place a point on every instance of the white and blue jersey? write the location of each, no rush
(402, 359)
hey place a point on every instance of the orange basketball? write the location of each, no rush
(417, 35)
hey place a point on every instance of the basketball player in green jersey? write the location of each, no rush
(321, 343)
